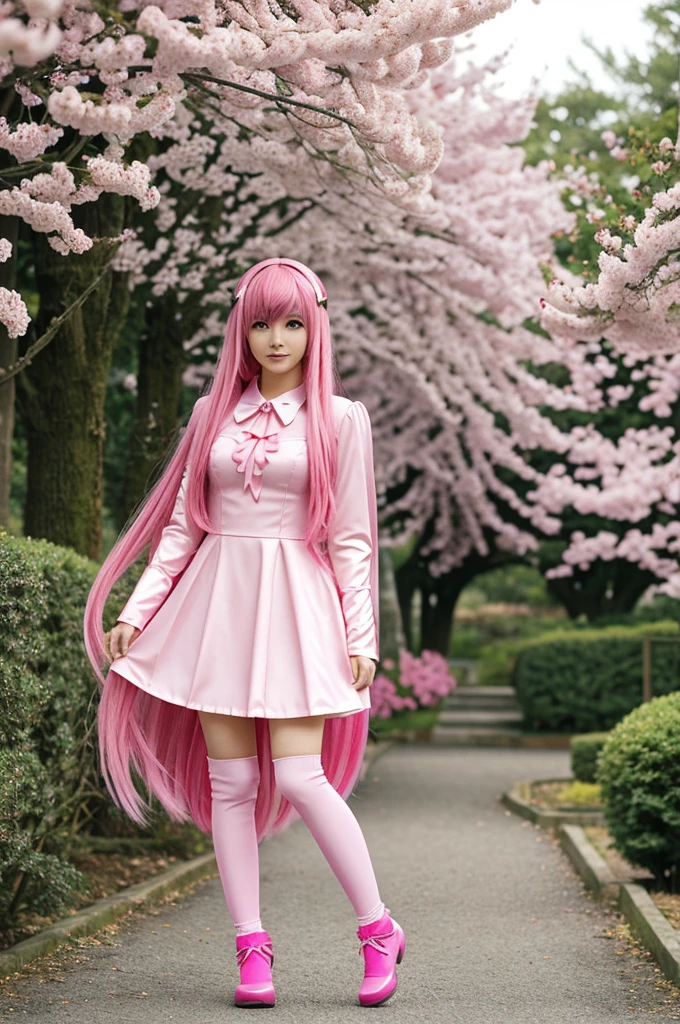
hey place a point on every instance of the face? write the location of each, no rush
(286, 336)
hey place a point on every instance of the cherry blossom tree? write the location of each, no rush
(634, 302)
(345, 65)
(619, 486)
(328, 78)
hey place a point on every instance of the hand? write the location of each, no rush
(120, 638)
(363, 669)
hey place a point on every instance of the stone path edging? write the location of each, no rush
(517, 800)
(589, 864)
(655, 931)
(105, 911)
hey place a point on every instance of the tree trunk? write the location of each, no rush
(440, 596)
(607, 588)
(391, 631)
(407, 580)
(62, 392)
(9, 347)
(162, 362)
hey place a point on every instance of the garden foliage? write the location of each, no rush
(640, 777)
(52, 796)
(587, 680)
(585, 751)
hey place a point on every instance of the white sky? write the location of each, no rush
(546, 35)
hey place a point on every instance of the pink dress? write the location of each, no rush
(242, 621)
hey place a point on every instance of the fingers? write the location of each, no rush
(120, 640)
(363, 670)
(113, 644)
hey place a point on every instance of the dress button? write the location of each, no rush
(267, 406)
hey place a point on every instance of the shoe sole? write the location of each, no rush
(380, 1001)
(245, 1003)
(253, 1005)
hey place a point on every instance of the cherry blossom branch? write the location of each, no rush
(6, 373)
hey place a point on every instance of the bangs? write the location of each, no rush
(274, 293)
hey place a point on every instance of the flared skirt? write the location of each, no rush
(253, 627)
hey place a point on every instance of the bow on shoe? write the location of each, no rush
(266, 949)
(252, 455)
(376, 942)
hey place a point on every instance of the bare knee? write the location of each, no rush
(292, 736)
(228, 736)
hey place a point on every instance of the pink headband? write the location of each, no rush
(320, 291)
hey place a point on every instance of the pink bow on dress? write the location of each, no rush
(252, 455)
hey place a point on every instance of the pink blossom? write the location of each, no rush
(28, 44)
(385, 699)
(28, 140)
(43, 8)
(132, 180)
(13, 313)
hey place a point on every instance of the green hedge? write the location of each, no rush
(640, 776)
(51, 791)
(587, 680)
(584, 754)
(498, 659)
(486, 635)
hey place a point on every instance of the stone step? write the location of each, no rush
(468, 701)
(453, 719)
(486, 698)
(486, 691)
(481, 737)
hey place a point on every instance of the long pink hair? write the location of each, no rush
(164, 742)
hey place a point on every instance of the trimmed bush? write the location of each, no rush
(497, 659)
(640, 776)
(587, 680)
(49, 782)
(52, 798)
(584, 753)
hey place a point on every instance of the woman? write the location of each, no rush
(244, 656)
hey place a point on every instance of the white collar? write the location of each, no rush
(286, 405)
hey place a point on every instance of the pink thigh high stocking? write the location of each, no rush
(302, 780)
(234, 783)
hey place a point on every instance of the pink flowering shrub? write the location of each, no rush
(385, 700)
(421, 682)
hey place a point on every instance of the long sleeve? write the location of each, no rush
(179, 540)
(352, 541)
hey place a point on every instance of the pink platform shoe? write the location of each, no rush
(383, 944)
(255, 956)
